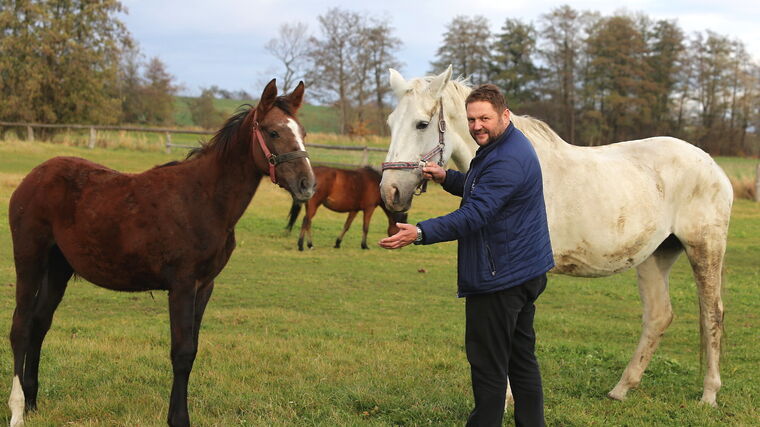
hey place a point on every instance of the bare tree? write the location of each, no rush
(291, 47)
(349, 64)
(381, 46)
(331, 59)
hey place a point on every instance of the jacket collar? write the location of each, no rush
(500, 140)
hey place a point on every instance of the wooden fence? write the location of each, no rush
(168, 138)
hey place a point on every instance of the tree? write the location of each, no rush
(618, 75)
(61, 60)
(563, 42)
(204, 113)
(158, 93)
(467, 47)
(666, 47)
(131, 84)
(514, 69)
(331, 59)
(710, 61)
(292, 49)
(349, 67)
(381, 46)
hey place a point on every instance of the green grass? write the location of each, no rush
(349, 337)
(739, 167)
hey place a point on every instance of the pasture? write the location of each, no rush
(351, 337)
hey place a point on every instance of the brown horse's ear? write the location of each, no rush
(267, 97)
(296, 97)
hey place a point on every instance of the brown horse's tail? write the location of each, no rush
(295, 209)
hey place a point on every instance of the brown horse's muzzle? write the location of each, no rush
(298, 178)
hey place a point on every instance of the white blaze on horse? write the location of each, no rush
(610, 208)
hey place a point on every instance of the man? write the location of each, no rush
(504, 254)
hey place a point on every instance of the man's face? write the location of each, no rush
(486, 125)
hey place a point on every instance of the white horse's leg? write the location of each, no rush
(707, 262)
(658, 313)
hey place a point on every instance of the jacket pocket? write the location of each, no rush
(489, 257)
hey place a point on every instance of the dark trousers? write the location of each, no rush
(501, 344)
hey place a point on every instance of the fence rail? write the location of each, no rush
(168, 139)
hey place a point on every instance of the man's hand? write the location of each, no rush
(407, 234)
(434, 172)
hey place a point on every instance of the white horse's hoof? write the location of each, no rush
(616, 395)
(711, 403)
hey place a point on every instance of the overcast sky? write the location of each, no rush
(221, 42)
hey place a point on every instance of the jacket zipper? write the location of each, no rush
(490, 260)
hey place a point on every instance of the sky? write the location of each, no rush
(221, 42)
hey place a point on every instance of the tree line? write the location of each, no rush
(599, 79)
(595, 79)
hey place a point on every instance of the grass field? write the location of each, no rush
(350, 337)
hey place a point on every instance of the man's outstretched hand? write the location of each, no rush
(406, 235)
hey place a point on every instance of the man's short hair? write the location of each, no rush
(488, 93)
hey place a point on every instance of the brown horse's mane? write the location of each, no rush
(221, 141)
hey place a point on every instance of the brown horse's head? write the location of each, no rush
(283, 137)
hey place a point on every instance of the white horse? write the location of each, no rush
(630, 204)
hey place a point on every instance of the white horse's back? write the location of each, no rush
(611, 206)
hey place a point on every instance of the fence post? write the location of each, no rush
(29, 134)
(93, 137)
(168, 142)
(757, 183)
(365, 156)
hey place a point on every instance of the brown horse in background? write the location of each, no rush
(342, 190)
(169, 228)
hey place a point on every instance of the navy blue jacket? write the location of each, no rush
(501, 223)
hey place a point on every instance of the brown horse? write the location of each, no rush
(342, 190)
(169, 228)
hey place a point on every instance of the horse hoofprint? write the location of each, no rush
(630, 204)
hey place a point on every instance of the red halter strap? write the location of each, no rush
(272, 159)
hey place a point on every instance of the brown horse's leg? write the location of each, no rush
(50, 294)
(31, 265)
(311, 210)
(365, 229)
(182, 319)
(201, 299)
(346, 226)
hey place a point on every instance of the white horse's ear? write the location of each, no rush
(398, 83)
(435, 88)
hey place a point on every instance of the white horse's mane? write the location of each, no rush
(457, 90)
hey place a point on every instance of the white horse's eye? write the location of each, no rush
(422, 125)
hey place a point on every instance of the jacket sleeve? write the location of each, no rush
(454, 182)
(492, 190)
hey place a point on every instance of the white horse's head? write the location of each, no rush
(415, 131)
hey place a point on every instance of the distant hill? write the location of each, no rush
(315, 118)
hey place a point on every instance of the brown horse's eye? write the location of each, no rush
(422, 125)
(274, 134)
